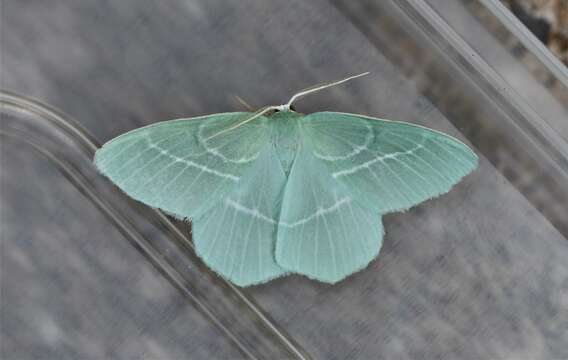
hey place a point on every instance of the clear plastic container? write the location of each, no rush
(88, 273)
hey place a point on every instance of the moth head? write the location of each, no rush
(282, 108)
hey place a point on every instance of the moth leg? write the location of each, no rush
(245, 104)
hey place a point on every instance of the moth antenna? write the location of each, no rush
(319, 87)
(245, 104)
(286, 106)
(259, 113)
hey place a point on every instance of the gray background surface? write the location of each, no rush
(477, 273)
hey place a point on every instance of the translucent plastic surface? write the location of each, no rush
(87, 273)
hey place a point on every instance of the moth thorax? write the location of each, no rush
(286, 155)
(285, 139)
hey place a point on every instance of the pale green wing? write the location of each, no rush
(179, 165)
(386, 165)
(237, 237)
(323, 233)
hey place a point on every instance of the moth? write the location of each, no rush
(275, 191)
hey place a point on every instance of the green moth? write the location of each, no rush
(275, 191)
